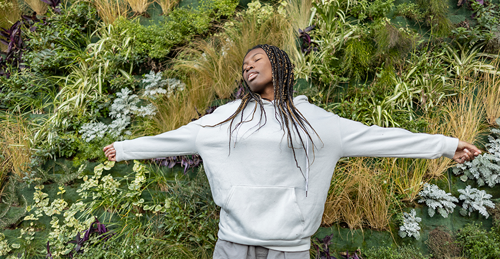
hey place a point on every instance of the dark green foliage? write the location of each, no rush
(59, 39)
(393, 44)
(486, 16)
(12, 206)
(410, 10)
(187, 230)
(193, 216)
(91, 151)
(372, 9)
(179, 27)
(25, 91)
(357, 56)
(479, 243)
(435, 16)
(389, 252)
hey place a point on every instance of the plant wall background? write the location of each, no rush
(77, 75)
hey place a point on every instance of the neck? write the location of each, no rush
(268, 93)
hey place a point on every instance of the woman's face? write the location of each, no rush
(257, 72)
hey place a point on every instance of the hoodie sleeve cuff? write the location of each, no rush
(450, 147)
(120, 156)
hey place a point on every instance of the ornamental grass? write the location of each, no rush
(489, 95)
(139, 7)
(15, 147)
(167, 5)
(358, 196)
(38, 6)
(110, 10)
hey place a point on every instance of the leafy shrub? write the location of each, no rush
(25, 91)
(193, 216)
(58, 39)
(371, 9)
(409, 10)
(179, 27)
(478, 243)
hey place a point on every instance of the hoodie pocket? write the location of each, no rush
(262, 212)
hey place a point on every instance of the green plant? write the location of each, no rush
(435, 16)
(357, 55)
(477, 242)
(182, 24)
(393, 44)
(371, 9)
(486, 15)
(468, 62)
(410, 10)
(60, 40)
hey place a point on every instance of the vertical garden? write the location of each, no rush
(76, 76)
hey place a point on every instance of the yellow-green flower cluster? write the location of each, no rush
(4, 245)
(264, 11)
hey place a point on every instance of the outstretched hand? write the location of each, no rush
(110, 152)
(465, 152)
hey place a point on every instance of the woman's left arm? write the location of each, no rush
(373, 141)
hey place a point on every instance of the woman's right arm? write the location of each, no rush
(181, 141)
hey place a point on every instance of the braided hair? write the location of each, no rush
(288, 116)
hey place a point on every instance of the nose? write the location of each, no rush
(248, 67)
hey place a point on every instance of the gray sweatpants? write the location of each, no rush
(230, 250)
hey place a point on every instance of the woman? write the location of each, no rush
(272, 178)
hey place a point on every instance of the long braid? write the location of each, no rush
(286, 112)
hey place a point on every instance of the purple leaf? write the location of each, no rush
(49, 254)
(481, 2)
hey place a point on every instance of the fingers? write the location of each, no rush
(107, 147)
(110, 152)
(473, 149)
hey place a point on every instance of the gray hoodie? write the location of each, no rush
(261, 191)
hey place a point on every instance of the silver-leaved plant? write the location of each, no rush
(437, 199)
(93, 130)
(123, 107)
(485, 168)
(124, 104)
(155, 85)
(410, 227)
(475, 199)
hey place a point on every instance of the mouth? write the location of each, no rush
(251, 76)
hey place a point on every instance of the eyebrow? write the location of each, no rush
(252, 57)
